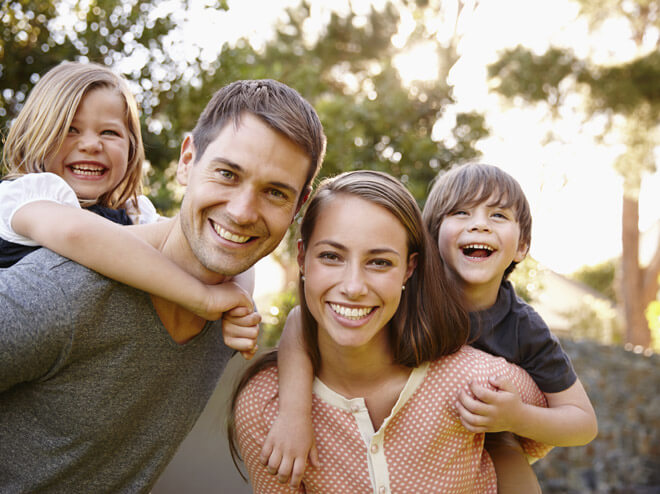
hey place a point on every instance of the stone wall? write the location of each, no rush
(624, 389)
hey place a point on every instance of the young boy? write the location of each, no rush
(481, 220)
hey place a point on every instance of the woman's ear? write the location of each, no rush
(412, 265)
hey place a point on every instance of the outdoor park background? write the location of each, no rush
(563, 94)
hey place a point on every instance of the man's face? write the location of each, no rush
(242, 194)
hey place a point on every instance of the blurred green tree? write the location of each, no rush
(627, 92)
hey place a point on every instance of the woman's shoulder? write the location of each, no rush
(261, 386)
(468, 360)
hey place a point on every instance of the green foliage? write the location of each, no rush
(600, 277)
(653, 318)
(527, 279)
(273, 320)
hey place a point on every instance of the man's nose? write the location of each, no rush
(242, 207)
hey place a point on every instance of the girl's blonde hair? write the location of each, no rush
(43, 123)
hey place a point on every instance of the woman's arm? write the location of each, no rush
(115, 252)
(291, 439)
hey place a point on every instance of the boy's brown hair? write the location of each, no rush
(471, 184)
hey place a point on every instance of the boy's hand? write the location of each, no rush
(214, 300)
(490, 410)
(289, 444)
(240, 329)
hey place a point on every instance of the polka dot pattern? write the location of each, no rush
(424, 444)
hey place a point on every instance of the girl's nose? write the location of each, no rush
(90, 143)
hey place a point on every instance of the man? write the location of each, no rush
(99, 382)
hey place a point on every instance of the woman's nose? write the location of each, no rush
(354, 285)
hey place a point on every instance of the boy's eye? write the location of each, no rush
(459, 212)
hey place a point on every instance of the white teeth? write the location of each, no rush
(478, 246)
(87, 170)
(239, 239)
(351, 312)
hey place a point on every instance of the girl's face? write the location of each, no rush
(94, 156)
(355, 265)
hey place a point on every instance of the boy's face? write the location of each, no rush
(479, 242)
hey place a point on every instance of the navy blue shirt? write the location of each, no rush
(514, 330)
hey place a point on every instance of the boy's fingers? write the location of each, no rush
(284, 471)
(264, 454)
(482, 393)
(314, 457)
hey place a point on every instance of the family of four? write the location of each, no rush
(410, 365)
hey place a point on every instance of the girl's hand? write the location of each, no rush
(490, 410)
(240, 329)
(288, 446)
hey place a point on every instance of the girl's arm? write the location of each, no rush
(113, 251)
(291, 439)
(569, 420)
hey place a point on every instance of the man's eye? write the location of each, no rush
(277, 194)
(229, 175)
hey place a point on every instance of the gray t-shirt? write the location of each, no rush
(95, 396)
(514, 330)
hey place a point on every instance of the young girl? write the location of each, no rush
(77, 142)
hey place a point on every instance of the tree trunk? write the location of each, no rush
(634, 303)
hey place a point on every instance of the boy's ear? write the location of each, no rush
(186, 160)
(522, 252)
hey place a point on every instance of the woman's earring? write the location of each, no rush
(403, 287)
(302, 276)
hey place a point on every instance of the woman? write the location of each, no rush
(386, 334)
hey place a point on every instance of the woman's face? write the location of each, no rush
(355, 264)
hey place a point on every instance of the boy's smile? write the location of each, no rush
(479, 242)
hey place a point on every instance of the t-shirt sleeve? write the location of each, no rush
(35, 332)
(144, 213)
(30, 188)
(252, 428)
(542, 355)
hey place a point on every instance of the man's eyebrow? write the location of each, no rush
(239, 169)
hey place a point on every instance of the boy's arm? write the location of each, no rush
(569, 420)
(113, 251)
(240, 326)
(291, 439)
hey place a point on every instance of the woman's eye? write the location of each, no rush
(382, 263)
(328, 256)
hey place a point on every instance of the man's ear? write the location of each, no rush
(303, 199)
(186, 160)
(301, 256)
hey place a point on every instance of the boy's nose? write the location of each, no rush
(479, 224)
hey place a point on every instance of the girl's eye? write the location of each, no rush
(111, 133)
(73, 130)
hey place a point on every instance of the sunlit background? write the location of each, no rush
(574, 152)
